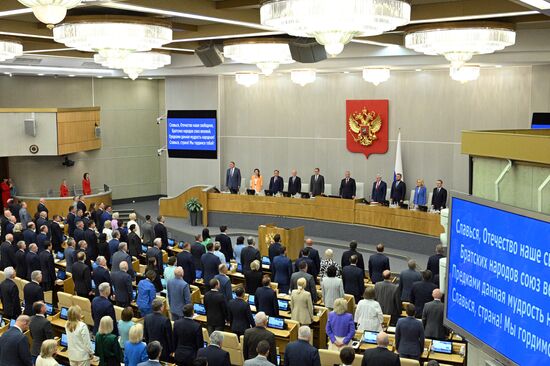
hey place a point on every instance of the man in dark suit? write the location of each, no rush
(216, 307)
(91, 239)
(80, 205)
(57, 233)
(40, 327)
(239, 313)
(225, 243)
(313, 254)
(122, 283)
(42, 206)
(105, 215)
(380, 356)
(388, 296)
(33, 292)
(188, 337)
(353, 278)
(7, 254)
(352, 251)
(20, 260)
(157, 327)
(210, 263)
(9, 295)
(281, 268)
(120, 256)
(276, 183)
(255, 335)
(71, 220)
(14, 345)
(294, 183)
(134, 242)
(233, 178)
(275, 247)
(101, 306)
(33, 262)
(432, 317)
(347, 187)
(42, 237)
(409, 335)
(161, 232)
(310, 281)
(421, 292)
(378, 263)
(304, 257)
(398, 190)
(156, 252)
(47, 267)
(214, 352)
(433, 261)
(101, 273)
(407, 279)
(82, 276)
(249, 254)
(29, 234)
(301, 352)
(265, 298)
(316, 183)
(379, 190)
(197, 250)
(79, 231)
(185, 261)
(439, 196)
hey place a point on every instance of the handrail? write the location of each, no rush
(539, 192)
(500, 178)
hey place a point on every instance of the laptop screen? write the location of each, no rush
(251, 299)
(233, 295)
(61, 274)
(64, 342)
(239, 267)
(12, 323)
(49, 309)
(369, 337)
(266, 261)
(60, 255)
(442, 347)
(64, 313)
(277, 323)
(181, 244)
(144, 248)
(171, 242)
(198, 274)
(283, 304)
(199, 309)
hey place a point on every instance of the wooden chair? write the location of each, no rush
(409, 362)
(86, 307)
(333, 358)
(232, 345)
(205, 335)
(64, 300)
(351, 303)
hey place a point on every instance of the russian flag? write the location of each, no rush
(398, 160)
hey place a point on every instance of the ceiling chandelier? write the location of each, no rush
(135, 63)
(10, 49)
(464, 73)
(247, 78)
(303, 77)
(459, 42)
(376, 75)
(50, 11)
(267, 54)
(335, 23)
(113, 37)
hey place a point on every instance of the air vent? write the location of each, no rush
(26, 61)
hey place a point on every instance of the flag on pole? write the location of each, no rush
(398, 160)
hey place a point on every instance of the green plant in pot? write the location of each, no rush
(194, 207)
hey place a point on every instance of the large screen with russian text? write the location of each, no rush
(498, 283)
(192, 134)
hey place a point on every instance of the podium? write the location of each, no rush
(292, 239)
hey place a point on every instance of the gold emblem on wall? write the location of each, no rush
(364, 125)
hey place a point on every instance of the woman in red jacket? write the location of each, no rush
(86, 185)
(5, 188)
(63, 189)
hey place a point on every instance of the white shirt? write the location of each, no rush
(369, 316)
(132, 222)
(79, 344)
(109, 233)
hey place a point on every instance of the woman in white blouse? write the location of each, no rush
(107, 230)
(47, 353)
(132, 221)
(368, 314)
(332, 287)
(79, 346)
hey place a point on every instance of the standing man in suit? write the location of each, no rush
(9, 295)
(161, 232)
(216, 307)
(7, 254)
(71, 220)
(134, 241)
(225, 243)
(310, 281)
(275, 247)
(233, 178)
(316, 183)
(82, 276)
(101, 273)
(409, 335)
(20, 260)
(122, 283)
(90, 237)
(197, 250)
(406, 280)
(380, 355)
(154, 353)
(33, 292)
(276, 183)
(398, 190)
(249, 254)
(79, 231)
(210, 263)
(378, 263)
(281, 268)
(188, 337)
(156, 253)
(40, 327)
(433, 261)
(255, 335)
(225, 282)
(421, 292)
(47, 267)
(379, 189)
(439, 196)
(265, 298)
(42, 206)
(185, 261)
(14, 345)
(179, 294)
(24, 215)
(101, 306)
(262, 349)
(121, 255)
(352, 251)
(387, 295)
(214, 352)
(432, 317)
(33, 262)
(57, 233)
(239, 313)
(29, 234)
(294, 183)
(157, 327)
(301, 352)
(347, 187)
(147, 230)
(313, 254)
(42, 237)
(353, 278)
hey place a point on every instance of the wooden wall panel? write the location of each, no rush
(76, 130)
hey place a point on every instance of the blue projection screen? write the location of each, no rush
(192, 134)
(498, 280)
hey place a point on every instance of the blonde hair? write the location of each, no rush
(132, 216)
(105, 325)
(107, 224)
(340, 306)
(255, 265)
(301, 283)
(329, 254)
(135, 335)
(48, 348)
(74, 316)
(115, 215)
(18, 228)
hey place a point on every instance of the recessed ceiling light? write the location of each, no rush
(100, 77)
(541, 4)
(71, 76)
(498, 66)
(40, 74)
(418, 70)
(7, 73)
(149, 78)
(126, 77)
(346, 72)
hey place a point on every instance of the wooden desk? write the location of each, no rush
(59, 205)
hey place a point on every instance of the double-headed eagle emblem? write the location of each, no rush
(364, 125)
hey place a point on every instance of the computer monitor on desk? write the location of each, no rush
(276, 323)
(266, 261)
(442, 347)
(369, 337)
(251, 300)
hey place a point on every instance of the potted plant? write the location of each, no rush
(194, 207)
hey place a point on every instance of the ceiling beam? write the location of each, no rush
(384, 39)
(219, 31)
(238, 4)
(25, 29)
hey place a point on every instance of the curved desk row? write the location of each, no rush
(318, 208)
(60, 205)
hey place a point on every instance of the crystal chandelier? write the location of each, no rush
(465, 73)
(135, 63)
(376, 75)
(303, 77)
(50, 11)
(267, 54)
(113, 37)
(247, 79)
(334, 23)
(461, 41)
(10, 49)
